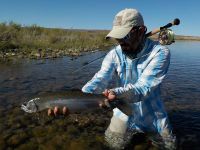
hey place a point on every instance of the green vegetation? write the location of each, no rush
(181, 37)
(17, 41)
(38, 42)
(191, 38)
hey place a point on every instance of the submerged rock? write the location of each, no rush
(2, 143)
(39, 131)
(17, 139)
(30, 145)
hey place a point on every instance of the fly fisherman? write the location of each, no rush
(140, 66)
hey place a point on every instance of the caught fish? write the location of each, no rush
(75, 101)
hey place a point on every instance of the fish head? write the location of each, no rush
(30, 106)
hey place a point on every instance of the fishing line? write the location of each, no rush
(166, 37)
(88, 63)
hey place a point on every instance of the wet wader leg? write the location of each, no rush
(164, 141)
(116, 134)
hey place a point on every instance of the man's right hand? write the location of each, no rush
(58, 111)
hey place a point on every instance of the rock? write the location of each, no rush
(78, 145)
(13, 54)
(72, 130)
(17, 139)
(98, 129)
(39, 131)
(99, 122)
(2, 143)
(28, 146)
(37, 55)
(51, 129)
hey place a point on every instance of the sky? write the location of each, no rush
(99, 14)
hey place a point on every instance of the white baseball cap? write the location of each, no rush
(124, 21)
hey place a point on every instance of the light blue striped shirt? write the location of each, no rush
(139, 81)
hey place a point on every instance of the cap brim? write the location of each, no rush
(118, 32)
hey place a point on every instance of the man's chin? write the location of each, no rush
(126, 49)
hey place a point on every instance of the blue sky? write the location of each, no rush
(99, 14)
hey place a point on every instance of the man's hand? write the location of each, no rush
(110, 95)
(57, 111)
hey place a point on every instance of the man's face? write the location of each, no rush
(132, 40)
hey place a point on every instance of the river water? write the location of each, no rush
(20, 80)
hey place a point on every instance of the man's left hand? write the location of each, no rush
(110, 95)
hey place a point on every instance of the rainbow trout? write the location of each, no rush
(75, 101)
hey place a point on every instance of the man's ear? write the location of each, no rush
(142, 29)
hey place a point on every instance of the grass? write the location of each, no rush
(39, 42)
(34, 41)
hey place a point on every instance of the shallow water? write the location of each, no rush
(23, 79)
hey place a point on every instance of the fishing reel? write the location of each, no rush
(166, 37)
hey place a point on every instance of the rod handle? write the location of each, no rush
(174, 22)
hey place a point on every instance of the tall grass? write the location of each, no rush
(27, 40)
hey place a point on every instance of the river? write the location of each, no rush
(20, 80)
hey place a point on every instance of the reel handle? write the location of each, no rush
(174, 22)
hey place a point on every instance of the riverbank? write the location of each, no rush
(36, 42)
(182, 37)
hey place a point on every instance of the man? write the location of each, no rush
(140, 66)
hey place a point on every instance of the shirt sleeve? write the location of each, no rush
(150, 78)
(100, 80)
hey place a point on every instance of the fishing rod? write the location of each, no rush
(165, 37)
(174, 22)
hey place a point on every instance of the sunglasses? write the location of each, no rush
(128, 36)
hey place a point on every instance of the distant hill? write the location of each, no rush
(182, 37)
